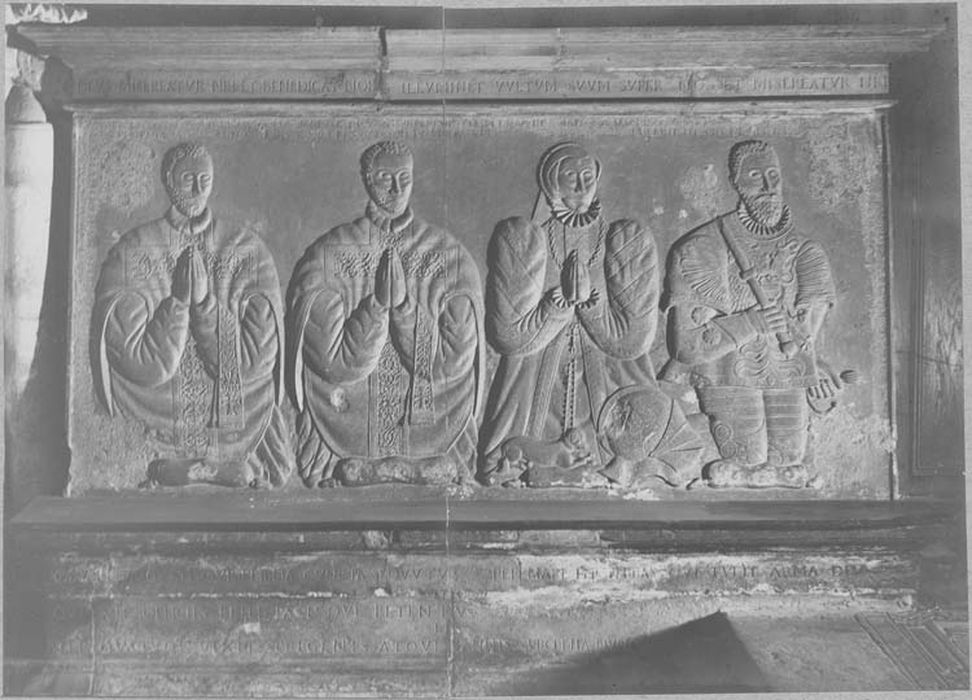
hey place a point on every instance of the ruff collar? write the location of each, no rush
(189, 227)
(761, 230)
(385, 223)
(575, 219)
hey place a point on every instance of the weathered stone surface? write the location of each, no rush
(641, 62)
(648, 149)
(509, 643)
(869, 571)
(483, 618)
(485, 64)
(787, 652)
(391, 622)
(136, 63)
(282, 680)
(377, 632)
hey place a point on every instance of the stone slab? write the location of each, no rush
(497, 522)
(374, 633)
(391, 621)
(381, 614)
(281, 63)
(91, 63)
(833, 571)
(663, 165)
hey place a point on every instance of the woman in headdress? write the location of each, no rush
(571, 307)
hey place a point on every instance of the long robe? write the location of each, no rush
(373, 383)
(558, 366)
(205, 380)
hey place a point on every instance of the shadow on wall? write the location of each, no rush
(704, 655)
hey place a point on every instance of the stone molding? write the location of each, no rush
(284, 63)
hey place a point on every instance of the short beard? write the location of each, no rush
(765, 209)
(391, 205)
(187, 205)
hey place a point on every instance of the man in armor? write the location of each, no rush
(747, 294)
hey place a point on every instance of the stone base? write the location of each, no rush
(393, 604)
(424, 471)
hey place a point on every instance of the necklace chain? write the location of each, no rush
(552, 244)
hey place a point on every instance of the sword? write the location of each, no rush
(747, 273)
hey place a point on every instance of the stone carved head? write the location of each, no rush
(187, 173)
(754, 170)
(386, 170)
(568, 177)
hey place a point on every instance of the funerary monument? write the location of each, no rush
(462, 359)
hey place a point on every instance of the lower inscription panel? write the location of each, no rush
(387, 622)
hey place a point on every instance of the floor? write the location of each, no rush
(874, 652)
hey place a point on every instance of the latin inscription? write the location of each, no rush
(661, 83)
(249, 646)
(641, 126)
(255, 628)
(534, 646)
(136, 84)
(364, 575)
(269, 611)
(428, 132)
(459, 127)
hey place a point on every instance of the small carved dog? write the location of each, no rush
(521, 453)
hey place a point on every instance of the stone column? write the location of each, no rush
(28, 180)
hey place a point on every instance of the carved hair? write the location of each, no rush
(549, 169)
(371, 153)
(180, 152)
(742, 150)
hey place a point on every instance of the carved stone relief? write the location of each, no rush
(747, 294)
(186, 339)
(406, 367)
(571, 307)
(386, 342)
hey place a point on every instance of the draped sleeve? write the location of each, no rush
(259, 310)
(337, 329)
(139, 330)
(522, 318)
(624, 326)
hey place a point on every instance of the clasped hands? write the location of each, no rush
(190, 280)
(391, 286)
(575, 285)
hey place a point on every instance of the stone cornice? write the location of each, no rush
(207, 63)
(624, 48)
(291, 63)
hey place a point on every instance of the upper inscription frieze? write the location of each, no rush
(290, 63)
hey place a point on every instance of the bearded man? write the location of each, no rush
(187, 338)
(572, 310)
(386, 359)
(747, 294)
